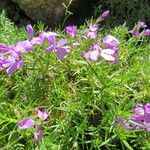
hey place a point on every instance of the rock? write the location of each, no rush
(52, 12)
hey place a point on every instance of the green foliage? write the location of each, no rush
(83, 107)
(129, 11)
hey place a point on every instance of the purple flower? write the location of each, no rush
(147, 32)
(59, 47)
(12, 63)
(22, 47)
(96, 51)
(93, 27)
(43, 115)
(141, 117)
(36, 41)
(109, 55)
(1, 60)
(46, 35)
(93, 53)
(111, 42)
(26, 123)
(91, 32)
(71, 30)
(136, 30)
(29, 30)
(38, 136)
(5, 49)
(39, 133)
(90, 35)
(96, 46)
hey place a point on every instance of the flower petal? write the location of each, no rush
(43, 115)
(26, 123)
(94, 55)
(108, 57)
(62, 42)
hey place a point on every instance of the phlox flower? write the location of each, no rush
(1, 60)
(136, 30)
(36, 41)
(46, 35)
(110, 55)
(12, 63)
(92, 55)
(22, 47)
(71, 30)
(26, 123)
(95, 52)
(147, 32)
(91, 32)
(5, 48)
(58, 47)
(93, 27)
(111, 42)
(38, 136)
(141, 117)
(43, 114)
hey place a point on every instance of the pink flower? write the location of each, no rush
(26, 123)
(43, 115)
(71, 30)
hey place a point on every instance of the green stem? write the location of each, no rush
(98, 77)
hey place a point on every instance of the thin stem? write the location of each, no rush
(93, 70)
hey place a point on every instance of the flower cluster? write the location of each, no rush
(26, 123)
(141, 117)
(11, 57)
(136, 30)
(139, 120)
(91, 32)
(108, 50)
